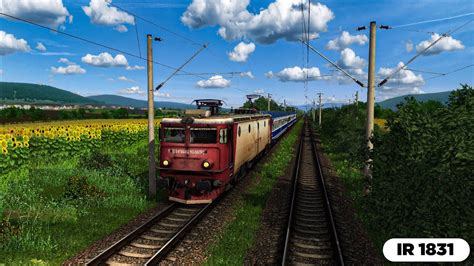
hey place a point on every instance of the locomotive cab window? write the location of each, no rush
(203, 135)
(223, 138)
(174, 135)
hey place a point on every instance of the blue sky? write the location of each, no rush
(275, 48)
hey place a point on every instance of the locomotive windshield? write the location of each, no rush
(175, 135)
(203, 135)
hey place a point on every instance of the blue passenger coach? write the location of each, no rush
(281, 122)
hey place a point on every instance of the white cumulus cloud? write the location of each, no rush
(297, 74)
(280, 20)
(71, 68)
(446, 44)
(45, 12)
(121, 28)
(105, 60)
(101, 13)
(349, 60)
(132, 90)
(409, 46)
(134, 67)
(345, 40)
(241, 52)
(40, 47)
(404, 82)
(259, 91)
(247, 74)
(10, 44)
(216, 81)
(123, 78)
(269, 74)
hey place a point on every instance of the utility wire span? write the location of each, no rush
(421, 52)
(153, 23)
(334, 64)
(423, 71)
(179, 68)
(96, 43)
(213, 73)
(450, 72)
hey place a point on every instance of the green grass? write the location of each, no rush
(49, 216)
(239, 235)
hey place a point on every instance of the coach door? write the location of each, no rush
(258, 136)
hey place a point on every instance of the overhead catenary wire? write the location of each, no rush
(179, 68)
(138, 38)
(97, 44)
(165, 29)
(334, 64)
(420, 53)
(450, 72)
(155, 24)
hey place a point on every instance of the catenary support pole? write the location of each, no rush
(151, 122)
(320, 108)
(269, 101)
(370, 104)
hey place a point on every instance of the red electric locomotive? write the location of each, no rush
(203, 152)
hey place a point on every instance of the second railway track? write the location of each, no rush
(311, 236)
(151, 242)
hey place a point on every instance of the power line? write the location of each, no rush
(138, 39)
(424, 71)
(179, 68)
(450, 72)
(334, 64)
(156, 25)
(421, 52)
(96, 43)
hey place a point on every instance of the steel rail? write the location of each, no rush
(110, 251)
(296, 171)
(330, 215)
(163, 251)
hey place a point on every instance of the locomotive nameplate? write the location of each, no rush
(186, 151)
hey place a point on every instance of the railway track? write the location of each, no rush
(311, 236)
(150, 243)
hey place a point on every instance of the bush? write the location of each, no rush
(424, 169)
(96, 160)
(79, 188)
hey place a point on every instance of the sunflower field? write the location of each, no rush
(66, 184)
(21, 142)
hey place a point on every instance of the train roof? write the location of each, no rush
(218, 119)
(276, 114)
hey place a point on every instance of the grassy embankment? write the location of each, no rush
(56, 206)
(239, 235)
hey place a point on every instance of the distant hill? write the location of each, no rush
(13, 92)
(125, 101)
(441, 97)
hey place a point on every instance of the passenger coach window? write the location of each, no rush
(203, 135)
(175, 135)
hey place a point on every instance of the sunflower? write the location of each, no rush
(4, 151)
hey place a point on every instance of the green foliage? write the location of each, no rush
(261, 104)
(78, 187)
(96, 160)
(424, 170)
(343, 132)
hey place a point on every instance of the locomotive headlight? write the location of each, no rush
(165, 163)
(206, 164)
